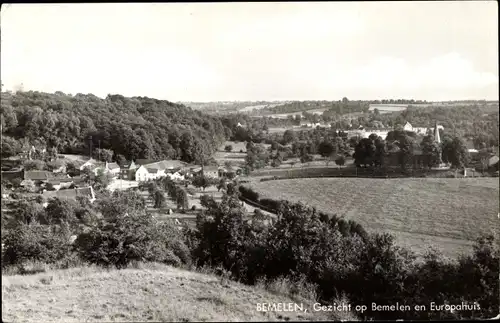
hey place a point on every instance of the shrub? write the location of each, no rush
(35, 242)
(248, 193)
(193, 208)
(135, 237)
(270, 203)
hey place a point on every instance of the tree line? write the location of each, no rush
(137, 127)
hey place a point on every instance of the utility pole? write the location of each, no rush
(90, 147)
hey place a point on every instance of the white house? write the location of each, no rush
(112, 168)
(144, 173)
(419, 130)
(175, 176)
(211, 171)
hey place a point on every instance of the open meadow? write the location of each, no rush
(447, 214)
(150, 292)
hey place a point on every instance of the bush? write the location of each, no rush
(248, 193)
(270, 203)
(193, 208)
(135, 237)
(334, 258)
(35, 242)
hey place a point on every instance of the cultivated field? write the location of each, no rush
(448, 214)
(285, 115)
(149, 293)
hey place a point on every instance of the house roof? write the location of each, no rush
(70, 193)
(211, 168)
(37, 175)
(10, 175)
(113, 166)
(142, 161)
(152, 170)
(166, 164)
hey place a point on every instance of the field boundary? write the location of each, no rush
(257, 205)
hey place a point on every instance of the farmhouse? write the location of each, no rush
(159, 169)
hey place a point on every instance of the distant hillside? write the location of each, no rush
(230, 106)
(137, 127)
(157, 293)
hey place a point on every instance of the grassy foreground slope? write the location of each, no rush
(156, 293)
(447, 214)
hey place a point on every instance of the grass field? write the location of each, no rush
(150, 292)
(447, 214)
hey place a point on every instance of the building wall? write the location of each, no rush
(141, 174)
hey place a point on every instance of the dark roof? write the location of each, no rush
(152, 170)
(71, 193)
(10, 175)
(144, 161)
(38, 175)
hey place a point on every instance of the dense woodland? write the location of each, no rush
(137, 127)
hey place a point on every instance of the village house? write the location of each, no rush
(38, 177)
(113, 169)
(73, 193)
(211, 171)
(144, 174)
(420, 130)
(91, 163)
(128, 171)
(159, 169)
(177, 176)
(60, 170)
(58, 183)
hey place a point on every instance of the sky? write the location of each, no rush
(255, 51)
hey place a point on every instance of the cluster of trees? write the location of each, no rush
(137, 127)
(257, 156)
(478, 121)
(112, 232)
(374, 151)
(157, 190)
(303, 245)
